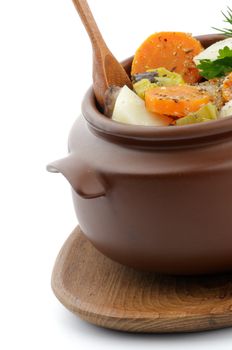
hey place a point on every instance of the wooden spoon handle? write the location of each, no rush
(107, 71)
(88, 20)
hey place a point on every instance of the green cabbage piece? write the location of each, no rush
(204, 114)
(164, 78)
(142, 86)
(168, 78)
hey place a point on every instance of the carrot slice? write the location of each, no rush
(171, 50)
(176, 101)
(227, 88)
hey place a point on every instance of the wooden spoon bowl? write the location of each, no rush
(107, 71)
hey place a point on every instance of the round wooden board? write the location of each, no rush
(110, 295)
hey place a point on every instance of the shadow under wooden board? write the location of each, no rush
(111, 295)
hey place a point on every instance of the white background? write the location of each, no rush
(45, 68)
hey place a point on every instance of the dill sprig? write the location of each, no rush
(227, 19)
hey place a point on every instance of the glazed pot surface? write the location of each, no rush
(157, 199)
(165, 211)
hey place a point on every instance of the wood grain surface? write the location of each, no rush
(110, 295)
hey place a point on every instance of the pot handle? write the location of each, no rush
(83, 179)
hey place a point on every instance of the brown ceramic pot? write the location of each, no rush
(157, 199)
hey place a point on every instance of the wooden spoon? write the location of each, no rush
(107, 71)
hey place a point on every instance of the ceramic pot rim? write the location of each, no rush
(105, 126)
